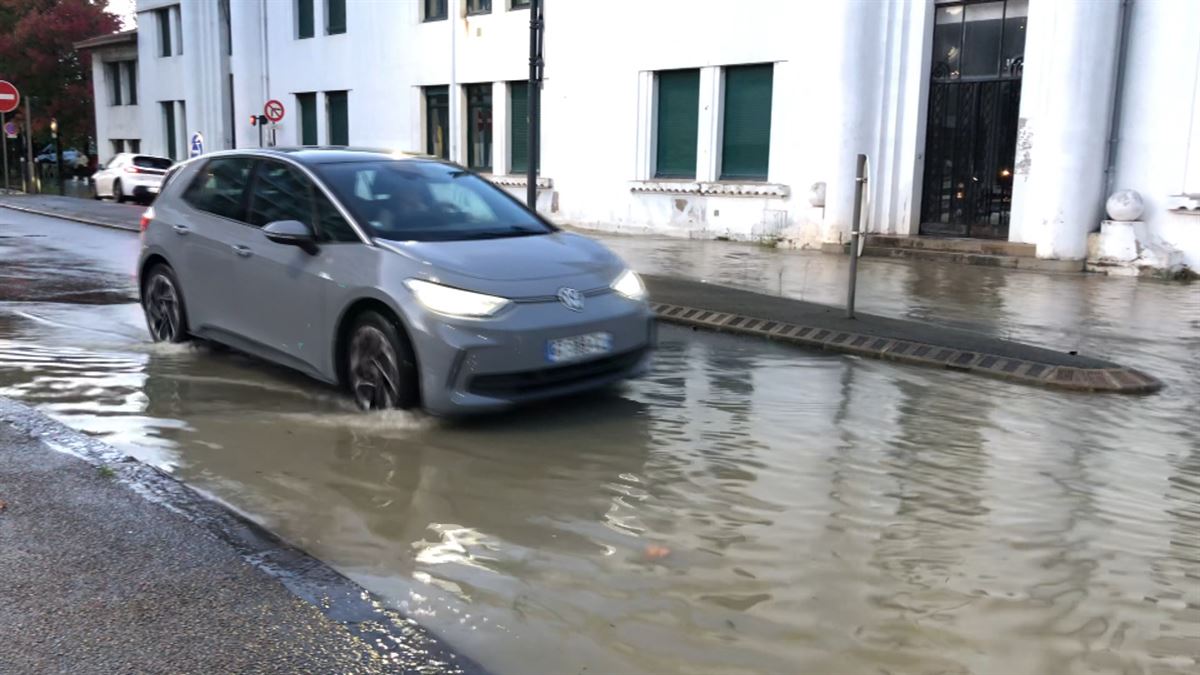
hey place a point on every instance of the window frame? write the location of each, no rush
(329, 96)
(166, 48)
(444, 91)
(297, 7)
(115, 94)
(131, 92)
(487, 91)
(426, 17)
(658, 173)
(331, 29)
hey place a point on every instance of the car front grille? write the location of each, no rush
(532, 382)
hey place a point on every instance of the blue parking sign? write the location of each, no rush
(197, 145)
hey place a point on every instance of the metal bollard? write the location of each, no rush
(860, 182)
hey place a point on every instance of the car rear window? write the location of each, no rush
(420, 200)
(161, 163)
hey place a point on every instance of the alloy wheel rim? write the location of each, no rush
(162, 308)
(374, 370)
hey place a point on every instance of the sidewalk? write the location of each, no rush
(780, 288)
(98, 578)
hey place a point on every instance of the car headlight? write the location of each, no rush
(454, 301)
(630, 285)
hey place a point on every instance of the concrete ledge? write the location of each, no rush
(88, 212)
(701, 305)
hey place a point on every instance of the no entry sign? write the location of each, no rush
(273, 110)
(10, 98)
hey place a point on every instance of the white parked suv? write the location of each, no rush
(130, 176)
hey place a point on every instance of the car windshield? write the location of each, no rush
(161, 163)
(418, 200)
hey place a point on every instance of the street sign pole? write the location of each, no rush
(29, 144)
(536, 27)
(4, 133)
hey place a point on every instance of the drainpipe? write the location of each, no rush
(455, 124)
(266, 56)
(1118, 97)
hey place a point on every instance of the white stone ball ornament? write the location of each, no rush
(1125, 205)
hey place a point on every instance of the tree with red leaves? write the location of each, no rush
(37, 54)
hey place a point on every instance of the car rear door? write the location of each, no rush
(210, 234)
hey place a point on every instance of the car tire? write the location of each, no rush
(380, 366)
(162, 303)
(118, 193)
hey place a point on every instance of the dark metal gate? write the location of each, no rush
(971, 133)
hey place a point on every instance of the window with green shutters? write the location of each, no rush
(168, 111)
(479, 126)
(437, 121)
(746, 130)
(307, 105)
(435, 10)
(677, 118)
(164, 31)
(518, 126)
(305, 25)
(336, 106)
(335, 17)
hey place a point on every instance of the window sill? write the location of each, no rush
(1186, 204)
(717, 189)
(520, 180)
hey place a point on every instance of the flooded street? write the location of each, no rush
(746, 508)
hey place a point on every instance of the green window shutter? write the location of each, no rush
(307, 103)
(131, 77)
(164, 31)
(339, 117)
(746, 134)
(518, 125)
(335, 17)
(304, 19)
(437, 117)
(678, 115)
(168, 108)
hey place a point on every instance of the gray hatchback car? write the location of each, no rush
(407, 280)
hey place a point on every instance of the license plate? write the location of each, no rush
(578, 347)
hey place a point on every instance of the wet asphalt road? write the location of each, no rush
(746, 508)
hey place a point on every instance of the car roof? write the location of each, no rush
(331, 154)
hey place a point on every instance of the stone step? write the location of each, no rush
(977, 246)
(968, 258)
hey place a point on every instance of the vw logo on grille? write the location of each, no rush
(571, 299)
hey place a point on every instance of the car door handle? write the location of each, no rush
(243, 251)
(181, 229)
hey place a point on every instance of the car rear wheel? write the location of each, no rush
(381, 369)
(163, 305)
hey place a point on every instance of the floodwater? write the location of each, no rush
(748, 507)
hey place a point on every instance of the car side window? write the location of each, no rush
(220, 187)
(333, 227)
(281, 192)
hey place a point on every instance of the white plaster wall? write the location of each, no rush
(163, 78)
(123, 121)
(1159, 147)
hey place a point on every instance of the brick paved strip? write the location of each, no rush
(1108, 378)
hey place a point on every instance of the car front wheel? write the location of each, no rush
(380, 366)
(163, 306)
(118, 193)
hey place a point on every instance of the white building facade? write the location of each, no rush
(990, 119)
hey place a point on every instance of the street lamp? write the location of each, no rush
(57, 154)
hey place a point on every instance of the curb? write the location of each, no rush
(405, 645)
(1098, 380)
(64, 216)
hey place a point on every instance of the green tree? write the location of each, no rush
(37, 54)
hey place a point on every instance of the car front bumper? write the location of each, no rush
(487, 364)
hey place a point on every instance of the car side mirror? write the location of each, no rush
(292, 233)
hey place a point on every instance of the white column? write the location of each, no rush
(644, 154)
(708, 127)
(1066, 97)
(853, 111)
(501, 153)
